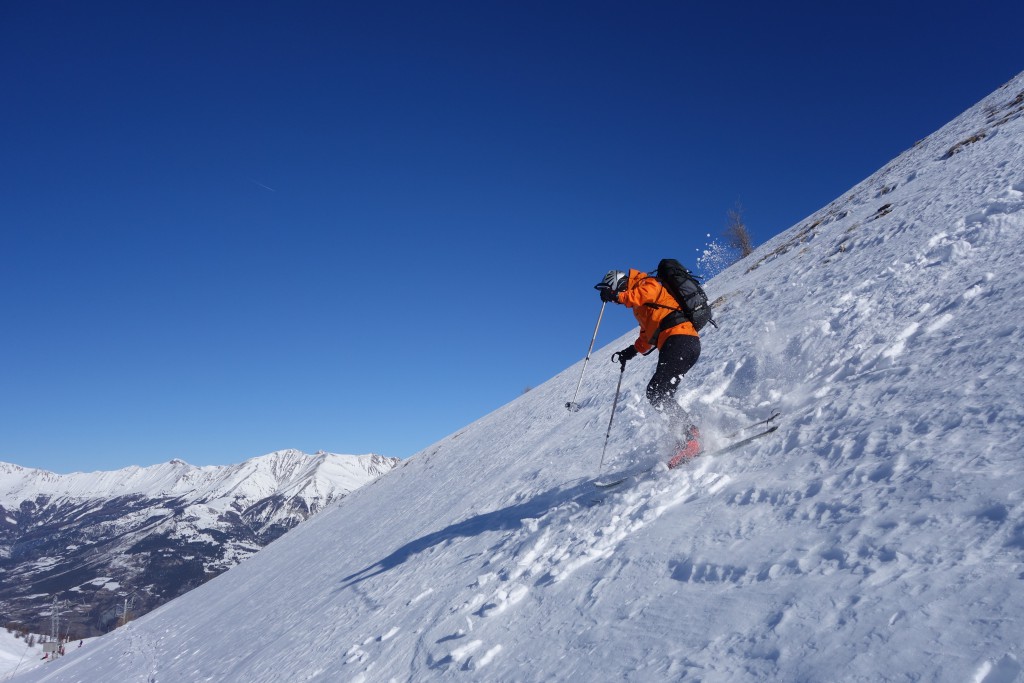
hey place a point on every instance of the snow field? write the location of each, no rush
(16, 655)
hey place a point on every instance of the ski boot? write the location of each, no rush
(691, 448)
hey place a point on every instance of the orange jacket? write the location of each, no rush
(644, 289)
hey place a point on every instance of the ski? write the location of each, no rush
(775, 416)
(623, 476)
(736, 445)
(616, 482)
(739, 444)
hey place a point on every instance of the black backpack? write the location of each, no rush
(686, 290)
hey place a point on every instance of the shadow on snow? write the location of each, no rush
(505, 519)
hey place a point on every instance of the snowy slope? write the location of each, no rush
(16, 654)
(878, 536)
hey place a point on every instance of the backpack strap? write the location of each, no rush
(677, 317)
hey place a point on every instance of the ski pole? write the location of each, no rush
(572, 405)
(615, 403)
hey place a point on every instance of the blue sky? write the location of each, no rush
(232, 228)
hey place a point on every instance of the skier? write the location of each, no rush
(664, 327)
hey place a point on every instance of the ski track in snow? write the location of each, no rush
(545, 551)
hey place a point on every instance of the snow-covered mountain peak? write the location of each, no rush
(256, 477)
(153, 532)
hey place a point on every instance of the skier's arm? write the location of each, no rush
(644, 292)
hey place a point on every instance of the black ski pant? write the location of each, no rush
(678, 354)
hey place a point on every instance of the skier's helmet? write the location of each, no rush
(616, 280)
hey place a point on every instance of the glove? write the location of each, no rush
(609, 295)
(626, 354)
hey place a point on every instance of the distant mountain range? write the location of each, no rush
(144, 535)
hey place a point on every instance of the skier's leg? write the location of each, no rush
(678, 354)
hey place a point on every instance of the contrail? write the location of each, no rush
(262, 185)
